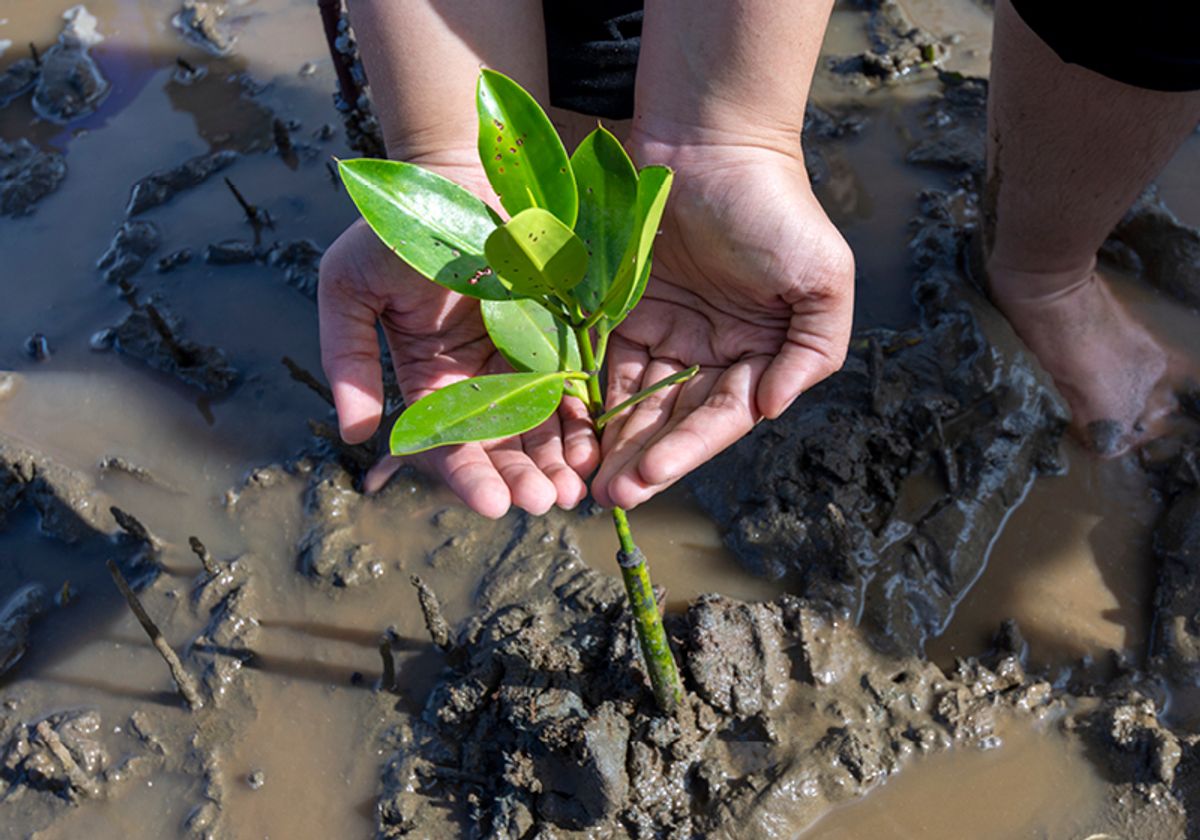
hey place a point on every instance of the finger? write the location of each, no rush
(350, 357)
(638, 425)
(528, 486)
(470, 473)
(544, 446)
(581, 449)
(707, 418)
(804, 360)
(379, 474)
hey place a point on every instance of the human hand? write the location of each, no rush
(437, 337)
(752, 282)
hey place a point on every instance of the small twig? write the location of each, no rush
(387, 682)
(305, 378)
(132, 526)
(75, 775)
(37, 56)
(206, 558)
(435, 622)
(283, 142)
(179, 353)
(183, 680)
(257, 217)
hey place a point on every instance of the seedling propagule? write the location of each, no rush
(553, 280)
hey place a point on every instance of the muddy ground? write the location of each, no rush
(910, 607)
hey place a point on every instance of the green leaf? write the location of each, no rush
(654, 183)
(530, 337)
(536, 255)
(608, 186)
(430, 222)
(483, 408)
(521, 152)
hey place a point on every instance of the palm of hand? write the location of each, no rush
(436, 337)
(753, 283)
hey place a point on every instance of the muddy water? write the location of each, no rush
(1035, 784)
(1076, 539)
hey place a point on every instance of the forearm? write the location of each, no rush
(422, 58)
(736, 71)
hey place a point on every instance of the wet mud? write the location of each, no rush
(311, 661)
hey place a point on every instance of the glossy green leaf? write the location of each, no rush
(530, 337)
(535, 254)
(608, 186)
(654, 184)
(483, 408)
(430, 222)
(521, 152)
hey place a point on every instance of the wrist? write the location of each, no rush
(696, 150)
(717, 128)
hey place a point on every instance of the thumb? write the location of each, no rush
(350, 353)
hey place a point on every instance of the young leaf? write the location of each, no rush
(430, 222)
(607, 194)
(654, 183)
(536, 255)
(530, 337)
(483, 408)
(521, 152)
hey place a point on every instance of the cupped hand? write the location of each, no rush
(436, 337)
(752, 282)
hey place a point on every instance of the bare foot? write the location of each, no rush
(1115, 375)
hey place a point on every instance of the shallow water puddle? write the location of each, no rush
(1036, 784)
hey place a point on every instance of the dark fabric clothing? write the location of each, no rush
(592, 49)
(1154, 44)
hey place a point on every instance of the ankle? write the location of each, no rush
(1013, 285)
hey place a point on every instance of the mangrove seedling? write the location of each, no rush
(553, 280)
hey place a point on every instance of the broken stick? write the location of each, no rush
(183, 680)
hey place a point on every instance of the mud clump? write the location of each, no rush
(298, 260)
(68, 505)
(17, 80)
(16, 615)
(152, 334)
(69, 84)
(160, 187)
(59, 754)
(203, 23)
(27, 175)
(955, 127)
(898, 47)
(1165, 251)
(331, 549)
(131, 246)
(543, 720)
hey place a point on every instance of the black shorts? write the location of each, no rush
(593, 46)
(1154, 44)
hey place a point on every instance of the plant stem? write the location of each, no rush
(652, 636)
(592, 368)
(666, 382)
(656, 650)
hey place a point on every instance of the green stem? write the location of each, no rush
(678, 376)
(652, 636)
(595, 398)
(656, 650)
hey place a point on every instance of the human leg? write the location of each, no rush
(1068, 152)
